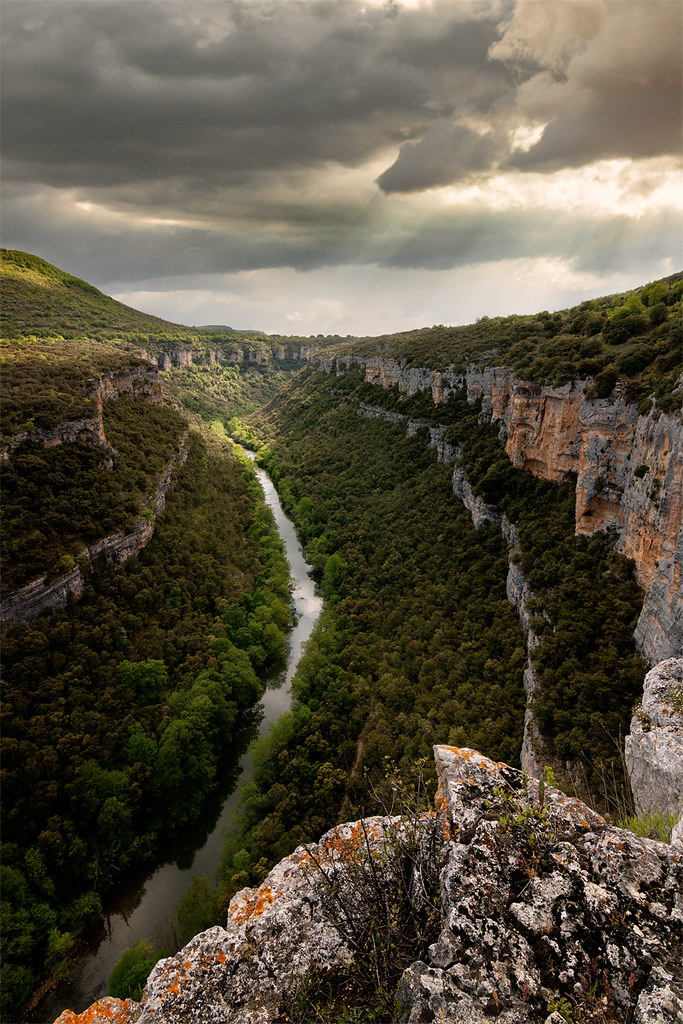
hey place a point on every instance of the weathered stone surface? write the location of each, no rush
(654, 747)
(585, 912)
(274, 935)
(659, 632)
(541, 900)
(629, 470)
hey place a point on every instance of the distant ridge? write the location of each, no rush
(224, 329)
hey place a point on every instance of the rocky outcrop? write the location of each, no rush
(628, 467)
(90, 429)
(659, 632)
(542, 903)
(236, 353)
(654, 747)
(133, 382)
(629, 477)
(41, 595)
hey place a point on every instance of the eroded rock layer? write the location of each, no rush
(541, 902)
(628, 467)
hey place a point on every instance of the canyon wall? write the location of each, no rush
(41, 595)
(654, 747)
(628, 467)
(233, 353)
(133, 382)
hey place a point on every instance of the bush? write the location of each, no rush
(379, 887)
(129, 977)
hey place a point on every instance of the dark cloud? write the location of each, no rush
(446, 153)
(102, 93)
(164, 138)
(447, 239)
(615, 89)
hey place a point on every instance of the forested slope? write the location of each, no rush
(120, 711)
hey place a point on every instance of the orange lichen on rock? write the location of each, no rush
(252, 904)
(109, 1009)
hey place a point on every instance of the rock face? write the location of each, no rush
(585, 913)
(628, 467)
(654, 747)
(179, 358)
(26, 604)
(541, 901)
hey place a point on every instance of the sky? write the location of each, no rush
(345, 166)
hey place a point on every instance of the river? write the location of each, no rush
(143, 907)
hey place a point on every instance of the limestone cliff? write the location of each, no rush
(628, 467)
(133, 382)
(26, 604)
(170, 358)
(541, 901)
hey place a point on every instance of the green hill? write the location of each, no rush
(37, 297)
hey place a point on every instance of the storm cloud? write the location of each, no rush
(151, 141)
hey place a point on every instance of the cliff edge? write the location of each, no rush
(542, 906)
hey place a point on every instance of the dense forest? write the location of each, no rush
(121, 710)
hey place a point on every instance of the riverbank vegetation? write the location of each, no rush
(119, 712)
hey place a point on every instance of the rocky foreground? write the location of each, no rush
(545, 907)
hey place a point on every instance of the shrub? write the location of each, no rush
(129, 977)
(380, 890)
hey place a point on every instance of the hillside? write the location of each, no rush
(490, 511)
(38, 297)
(633, 336)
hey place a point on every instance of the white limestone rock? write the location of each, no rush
(654, 748)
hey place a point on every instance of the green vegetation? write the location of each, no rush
(634, 336)
(655, 825)
(39, 298)
(171, 644)
(58, 500)
(221, 390)
(122, 711)
(129, 977)
(379, 889)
